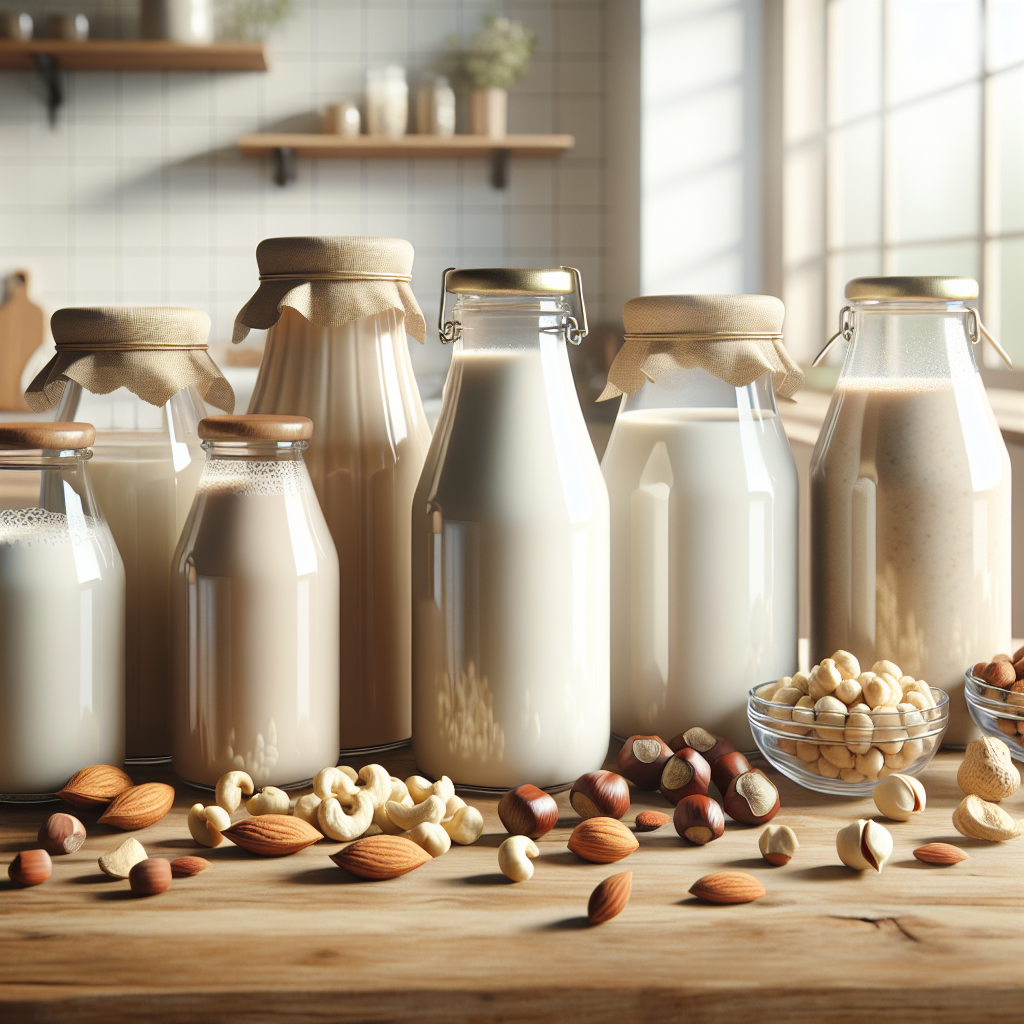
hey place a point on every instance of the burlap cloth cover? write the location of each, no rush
(154, 351)
(735, 337)
(331, 282)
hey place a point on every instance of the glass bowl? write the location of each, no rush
(803, 746)
(996, 711)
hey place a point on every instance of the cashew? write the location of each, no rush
(800, 682)
(803, 712)
(465, 826)
(887, 667)
(406, 818)
(230, 789)
(825, 677)
(869, 763)
(400, 792)
(848, 691)
(889, 735)
(837, 754)
(269, 801)
(350, 773)
(343, 824)
(807, 751)
(858, 732)
(431, 837)
(336, 782)
(515, 856)
(768, 691)
(205, 824)
(444, 788)
(788, 746)
(830, 719)
(848, 665)
(419, 788)
(979, 819)
(851, 775)
(453, 804)
(826, 769)
(306, 808)
(378, 784)
(383, 821)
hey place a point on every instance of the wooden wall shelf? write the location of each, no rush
(286, 147)
(51, 56)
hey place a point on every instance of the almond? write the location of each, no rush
(727, 887)
(95, 786)
(185, 867)
(648, 821)
(381, 857)
(609, 899)
(119, 863)
(602, 840)
(150, 877)
(273, 835)
(139, 807)
(940, 853)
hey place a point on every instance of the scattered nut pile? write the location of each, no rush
(1004, 680)
(852, 725)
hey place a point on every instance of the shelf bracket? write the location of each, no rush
(48, 68)
(499, 167)
(284, 165)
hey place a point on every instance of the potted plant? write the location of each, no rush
(498, 57)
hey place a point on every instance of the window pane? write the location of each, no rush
(1006, 181)
(855, 58)
(932, 45)
(1011, 306)
(1005, 32)
(956, 260)
(935, 146)
(841, 269)
(855, 185)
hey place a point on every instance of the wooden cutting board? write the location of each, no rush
(21, 332)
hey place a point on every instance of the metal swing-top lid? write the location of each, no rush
(912, 289)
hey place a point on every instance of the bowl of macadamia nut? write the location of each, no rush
(839, 729)
(995, 699)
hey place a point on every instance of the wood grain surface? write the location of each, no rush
(134, 55)
(406, 146)
(254, 939)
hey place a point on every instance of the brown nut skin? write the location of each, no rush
(600, 794)
(651, 821)
(699, 819)
(726, 768)
(738, 806)
(528, 811)
(705, 743)
(61, 833)
(642, 759)
(30, 867)
(686, 773)
(150, 877)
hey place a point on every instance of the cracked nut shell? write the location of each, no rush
(726, 768)
(751, 798)
(61, 833)
(642, 759)
(686, 773)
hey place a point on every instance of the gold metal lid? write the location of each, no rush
(48, 436)
(511, 281)
(913, 289)
(256, 427)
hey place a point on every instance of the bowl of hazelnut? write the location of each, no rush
(995, 699)
(839, 730)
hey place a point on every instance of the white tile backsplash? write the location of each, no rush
(138, 195)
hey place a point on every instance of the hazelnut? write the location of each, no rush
(726, 768)
(704, 742)
(686, 773)
(528, 811)
(642, 759)
(30, 867)
(600, 794)
(777, 844)
(751, 798)
(151, 876)
(61, 833)
(699, 819)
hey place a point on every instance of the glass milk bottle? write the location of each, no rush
(255, 611)
(61, 614)
(703, 492)
(510, 546)
(910, 492)
(338, 310)
(140, 375)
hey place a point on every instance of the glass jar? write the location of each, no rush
(387, 101)
(139, 374)
(61, 614)
(435, 107)
(255, 611)
(910, 492)
(704, 496)
(510, 546)
(337, 352)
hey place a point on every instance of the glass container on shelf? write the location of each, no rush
(140, 375)
(387, 101)
(62, 599)
(703, 492)
(255, 611)
(910, 492)
(338, 310)
(510, 545)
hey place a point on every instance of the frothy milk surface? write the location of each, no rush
(704, 567)
(61, 650)
(255, 612)
(910, 513)
(510, 579)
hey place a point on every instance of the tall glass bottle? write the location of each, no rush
(510, 546)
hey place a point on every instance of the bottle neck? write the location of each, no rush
(254, 451)
(698, 389)
(509, 322)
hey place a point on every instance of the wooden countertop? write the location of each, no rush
(256, 939)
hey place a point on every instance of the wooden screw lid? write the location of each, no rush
(257, 427)
(50, 436)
